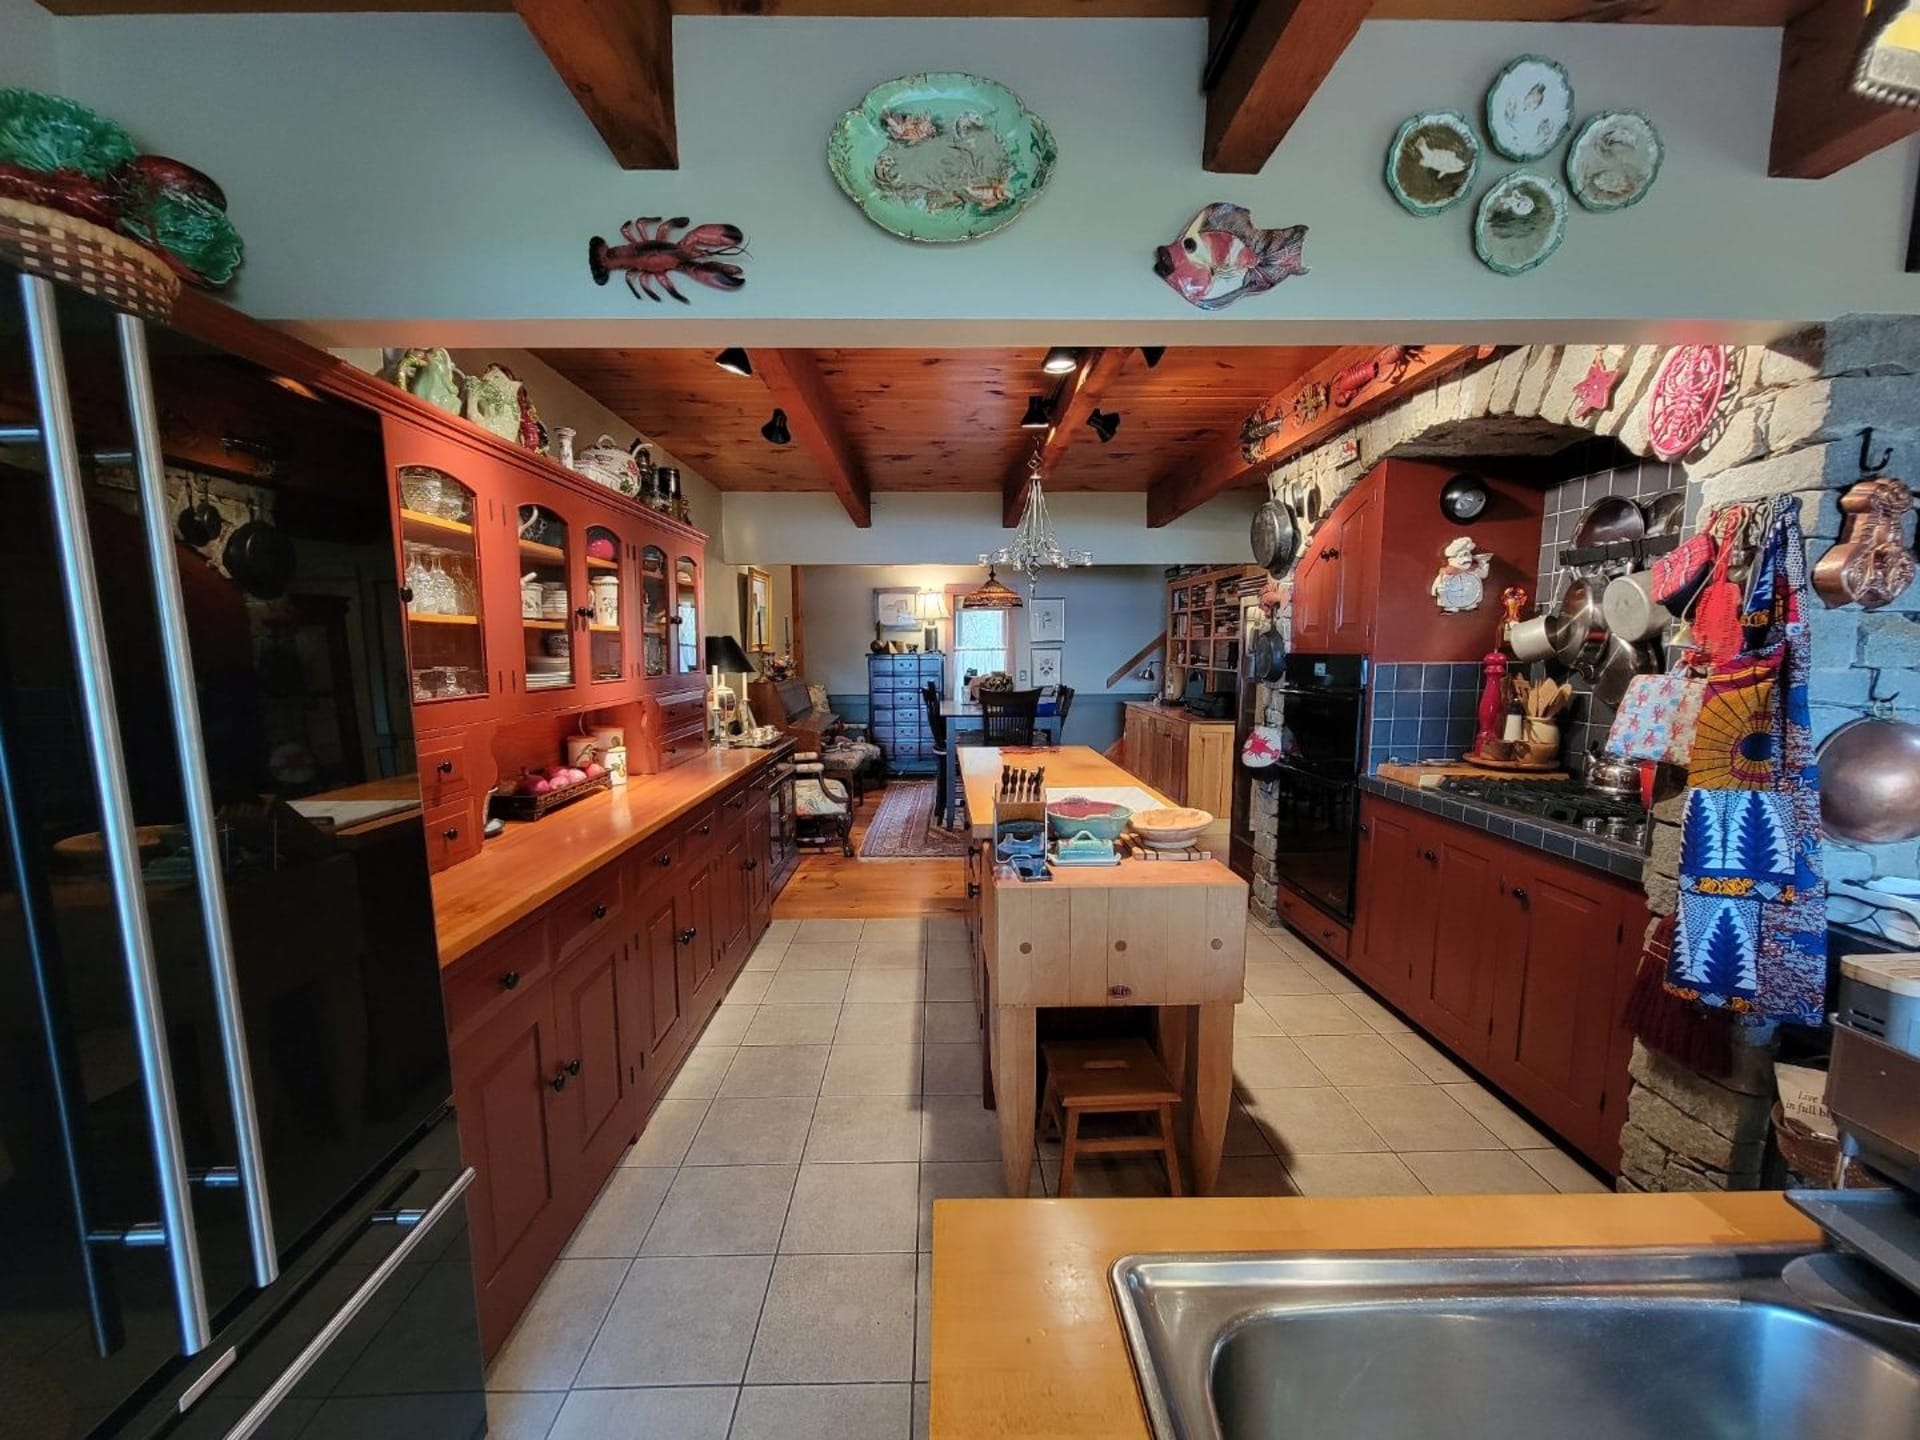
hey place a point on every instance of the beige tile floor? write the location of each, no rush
(759, 1265)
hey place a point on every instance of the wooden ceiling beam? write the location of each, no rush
(793, 379)
(1226, 467)
(1819, 125)
(1079, 396)
(616, 56)
(1262, 77)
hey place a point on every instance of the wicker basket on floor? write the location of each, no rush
(71, 251)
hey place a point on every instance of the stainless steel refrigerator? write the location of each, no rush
(230, 1184)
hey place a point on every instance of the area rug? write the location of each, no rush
(904, 827)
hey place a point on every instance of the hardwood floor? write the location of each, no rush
(829, 885)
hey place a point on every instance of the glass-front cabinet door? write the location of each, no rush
(440, 554)
(686, 616)
(547, 602)
(605, 626)
(656, 612)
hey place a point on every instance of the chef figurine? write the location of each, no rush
(1460, 584)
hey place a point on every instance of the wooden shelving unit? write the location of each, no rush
(418, 522)
(419, 619)
(1203, 626)
(543, 554)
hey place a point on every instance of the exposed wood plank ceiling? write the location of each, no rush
(943, 420)
(1656, 12)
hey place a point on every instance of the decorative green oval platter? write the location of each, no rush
(941, 157)
(1521, 222)
(1432, 161)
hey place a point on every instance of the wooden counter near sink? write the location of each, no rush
(1027, 1342)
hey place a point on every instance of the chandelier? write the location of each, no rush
(1035, 547)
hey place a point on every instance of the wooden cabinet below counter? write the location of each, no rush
(1520, 963)
(569, 1026)
(1188, 760)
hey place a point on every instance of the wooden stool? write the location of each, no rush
(1107, 1077)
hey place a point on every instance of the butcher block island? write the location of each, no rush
(1169, 935)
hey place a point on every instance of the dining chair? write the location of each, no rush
(1056, 727)
(1006, 716)
(937, 727)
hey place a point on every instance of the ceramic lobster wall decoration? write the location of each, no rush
(1870, 564)
(1389, 363)
(1261, 426)
(650, 258)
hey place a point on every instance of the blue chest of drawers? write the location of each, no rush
(896, 685)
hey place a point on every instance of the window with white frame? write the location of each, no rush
(982, 640)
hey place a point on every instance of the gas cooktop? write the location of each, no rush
(1606, 817)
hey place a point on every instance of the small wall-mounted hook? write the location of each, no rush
(1881, 705)
(1868, 465)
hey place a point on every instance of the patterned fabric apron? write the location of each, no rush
(1752, 921)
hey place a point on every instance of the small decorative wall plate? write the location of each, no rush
(1432, 161)
(1614, 160)
(1521, 222)
(941, 157)
(1689, 390)
(1529, 107)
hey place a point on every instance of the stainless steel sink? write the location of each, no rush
(1635, 1345)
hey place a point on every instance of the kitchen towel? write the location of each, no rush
(1752, 922)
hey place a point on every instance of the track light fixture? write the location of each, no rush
(1037, 416)
(1152, 354)
(775, 430)
(734, 360)
(1061, 361)
(1104, 425)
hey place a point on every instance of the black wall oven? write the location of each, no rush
(1323, 703)
(232, 1180)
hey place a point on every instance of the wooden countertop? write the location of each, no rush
(1166, 874)
(1066, 765)
(1027, 1343)
(520, 871)
(1178, 713)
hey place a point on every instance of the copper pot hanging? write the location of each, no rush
(1870, 782)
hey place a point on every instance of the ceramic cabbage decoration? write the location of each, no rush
(941, 157)
(59, 155)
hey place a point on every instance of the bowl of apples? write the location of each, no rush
(541, 791)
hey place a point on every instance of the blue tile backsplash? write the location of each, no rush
(1422, 712)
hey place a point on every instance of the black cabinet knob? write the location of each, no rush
(445, 767)
(664, 861)
(1520, 894)
(559, 1081)
(599, 912)
(573, 1067)
(451, 833)
(686, 936)
(707, 829)
(751, 866)
(510, 980)
(1430, 857)
(406, 594)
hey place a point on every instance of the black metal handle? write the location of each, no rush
(1429, 857)
(585, 612)
(973, 890)
(573, 1067)
(452, 832)
(599, 912)
(510, 980)
(736, 802)
(1330, 553)
(1362, 828)
(559, 1081)
(752, 865)
(707, 829)
(664, 861)
(445, 767)
(686, 936)
(1520, 894)
(406, 594)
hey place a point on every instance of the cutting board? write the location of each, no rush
(1425, 777)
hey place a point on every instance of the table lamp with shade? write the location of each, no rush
(724, 657)
(930, 607)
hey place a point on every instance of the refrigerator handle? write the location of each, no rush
(102, 725)
(197, 791)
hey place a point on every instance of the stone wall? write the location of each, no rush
(1793, 425)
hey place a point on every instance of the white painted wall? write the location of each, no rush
(28, 55)
(1112, 610)
(955, 529)
(433, 169)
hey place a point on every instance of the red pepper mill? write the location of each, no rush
(1493, 699)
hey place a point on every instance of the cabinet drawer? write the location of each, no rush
(443, 770)
(482, 985)
(678, 746)
(1328, 934)
(698, 833)
(453, 833)
(586, 911)
(679, 713)
(732, 809)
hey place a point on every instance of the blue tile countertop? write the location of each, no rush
(1626, 861)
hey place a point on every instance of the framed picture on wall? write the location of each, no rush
(756, 609)
(1043, 664)
(1046, 621)
(894, 609)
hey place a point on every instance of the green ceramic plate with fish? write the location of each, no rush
(941, 157)
(1521, 222)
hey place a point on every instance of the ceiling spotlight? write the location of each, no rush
(775, 430)
(735, 360)
(1036, 417)
(1104, 425)
(1061, 361)
(1152, 354)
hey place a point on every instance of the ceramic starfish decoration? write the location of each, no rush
(1595, 393)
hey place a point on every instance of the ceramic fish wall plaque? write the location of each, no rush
(1222, 255)
(651, 256)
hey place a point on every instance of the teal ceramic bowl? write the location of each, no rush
(1098, 818)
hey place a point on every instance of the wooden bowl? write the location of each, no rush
(1173, 828)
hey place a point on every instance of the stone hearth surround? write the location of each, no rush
(1793, 425)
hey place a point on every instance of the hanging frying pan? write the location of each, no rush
(199, 524)
(1268, 658)
(260, 558)
(1275, 537)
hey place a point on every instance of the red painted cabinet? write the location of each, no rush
(1518, 962)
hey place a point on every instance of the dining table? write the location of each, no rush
(963, 718)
